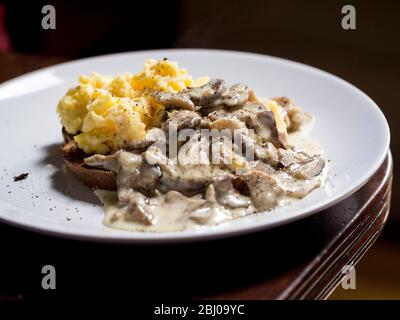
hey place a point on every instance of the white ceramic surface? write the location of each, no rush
(348, 124)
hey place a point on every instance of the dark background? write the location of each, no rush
(305, 31)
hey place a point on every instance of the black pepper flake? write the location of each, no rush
(20, 177)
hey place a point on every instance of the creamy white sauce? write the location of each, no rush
(173, 216)
(169, 216)
(301, 142)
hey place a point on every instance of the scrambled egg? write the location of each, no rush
(104, 113)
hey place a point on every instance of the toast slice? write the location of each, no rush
(92, 177)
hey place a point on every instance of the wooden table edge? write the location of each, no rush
(317, 273)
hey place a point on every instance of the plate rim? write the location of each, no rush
(211, 233)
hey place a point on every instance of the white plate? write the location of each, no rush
(348, 124)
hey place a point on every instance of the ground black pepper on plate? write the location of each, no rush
(20, 177)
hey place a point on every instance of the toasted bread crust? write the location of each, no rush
(92, 177)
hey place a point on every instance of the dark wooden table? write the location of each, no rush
(303, 260)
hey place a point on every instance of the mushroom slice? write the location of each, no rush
(188, 175)
(264, 189)
(215, 94)
(139, 211)
(267, 123)
(108, 162)
(289, 156)
(135, 207)
(136, 173)
(235, 96)
(227, 123)
(173, 100)
(226, 195)
(181, 119)
(205, 95)
(204, 212)
(269, 130)
(306, 169)
(267, 153)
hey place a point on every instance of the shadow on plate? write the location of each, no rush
(63, 180)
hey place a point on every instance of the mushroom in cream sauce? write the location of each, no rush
(161, 190)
